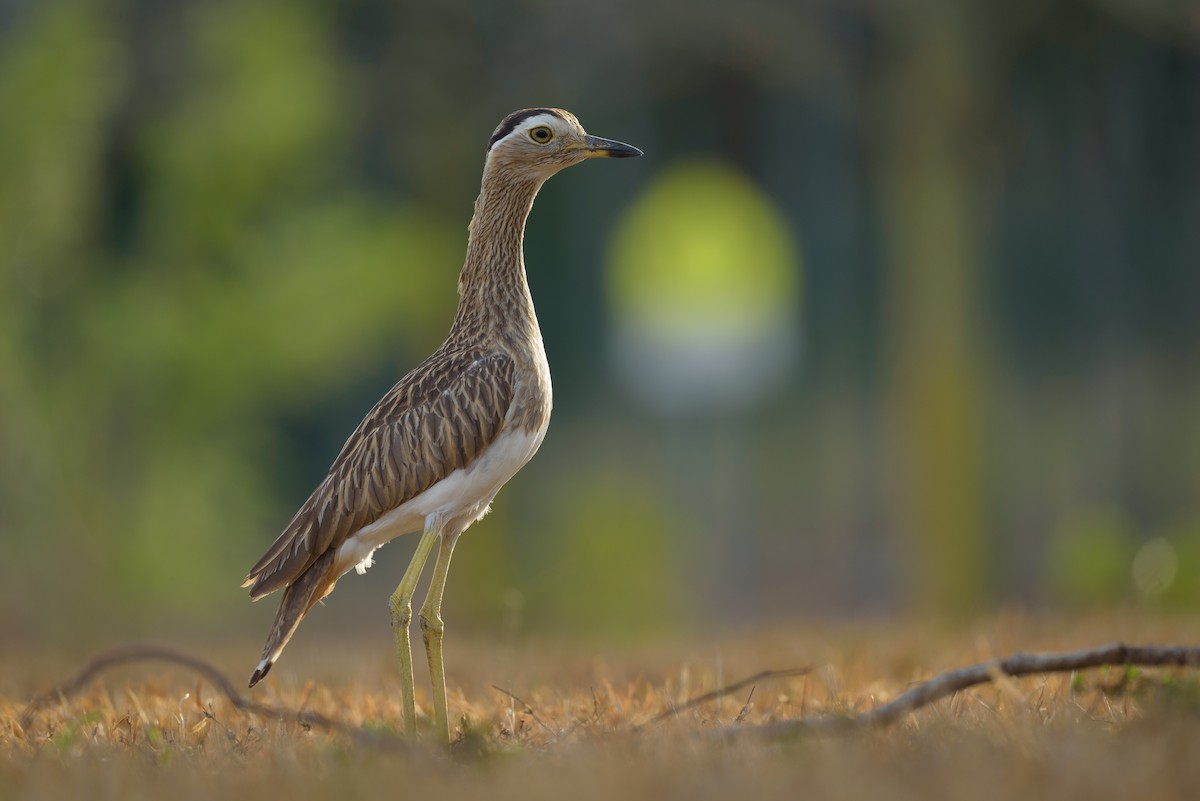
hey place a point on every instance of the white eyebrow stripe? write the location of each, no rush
(540, 119)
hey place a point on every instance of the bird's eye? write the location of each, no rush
(541, 134)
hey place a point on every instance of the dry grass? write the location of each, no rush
(584, 724)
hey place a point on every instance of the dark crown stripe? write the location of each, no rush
(513, 120)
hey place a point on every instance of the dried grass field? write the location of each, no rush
(547, 720)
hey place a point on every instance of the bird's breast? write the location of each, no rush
(533, 395)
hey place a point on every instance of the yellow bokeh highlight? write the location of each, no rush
(703, 247)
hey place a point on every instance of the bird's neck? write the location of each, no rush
(493, 290)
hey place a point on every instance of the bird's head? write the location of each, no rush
(541, 141)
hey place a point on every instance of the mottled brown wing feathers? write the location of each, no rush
(439, 418)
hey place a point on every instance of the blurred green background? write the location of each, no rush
(899, 312)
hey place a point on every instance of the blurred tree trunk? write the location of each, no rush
(930, 317)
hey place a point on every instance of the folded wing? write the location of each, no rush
(437, 419)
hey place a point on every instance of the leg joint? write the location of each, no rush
(401, 612)
(431, 625)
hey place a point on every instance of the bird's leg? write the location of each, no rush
(401, 615)
(432, 628)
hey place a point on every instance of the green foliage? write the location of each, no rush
(265, 107)
(1175, 694)
(610, 565)
(1184, 591)
(62, 75)
(1096, 558)
(58, 81)
(1090, 559)
(76, 730)
(139, 384)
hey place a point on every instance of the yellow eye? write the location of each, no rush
(541, 134)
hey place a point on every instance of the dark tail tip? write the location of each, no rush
(260, 672)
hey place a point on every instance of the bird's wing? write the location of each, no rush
(439, 418)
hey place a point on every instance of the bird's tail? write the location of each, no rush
(311, 586)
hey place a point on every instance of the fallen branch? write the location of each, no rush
(1018, 664)
(129, 654)
(720, 692)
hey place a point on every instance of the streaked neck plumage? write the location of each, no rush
(493, 290)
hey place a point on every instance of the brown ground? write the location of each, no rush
(583, 726)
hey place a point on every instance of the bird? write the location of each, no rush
(434, 451)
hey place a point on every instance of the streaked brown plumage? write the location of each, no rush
(435, 450)
(436, 420)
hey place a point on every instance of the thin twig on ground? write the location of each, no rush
(1018, 664)
(142, 652)
(721, 692)
(746, 707)
(529, 709)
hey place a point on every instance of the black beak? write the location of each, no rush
(608, 148)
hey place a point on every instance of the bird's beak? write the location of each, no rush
(596, 148)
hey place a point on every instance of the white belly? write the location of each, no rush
(461, 498)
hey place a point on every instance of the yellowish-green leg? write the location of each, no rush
(432, 628)
(401, 615)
